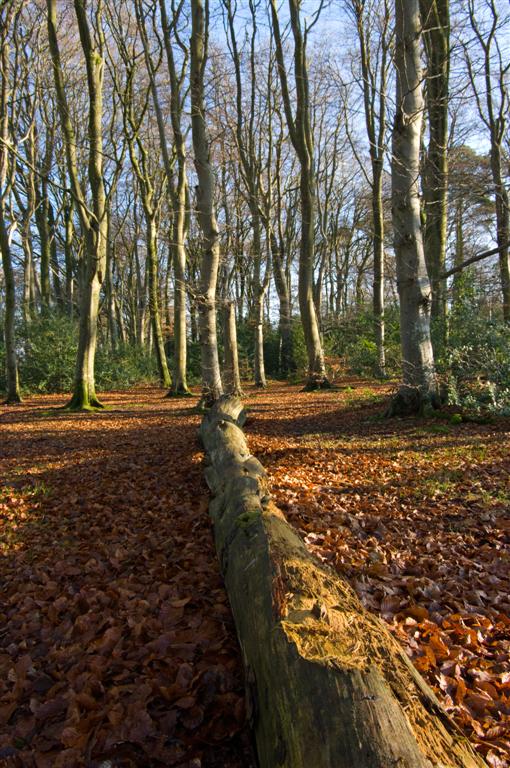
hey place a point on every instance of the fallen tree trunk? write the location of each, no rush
(327, 685)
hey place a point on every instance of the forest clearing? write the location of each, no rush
(117, 635)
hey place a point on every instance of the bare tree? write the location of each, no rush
(493, 100)
(176, 156)
(251, 172)
(374, 37)
(301, 134)
(93, 220)
(134, 98)
(7, 17)
(436, 35)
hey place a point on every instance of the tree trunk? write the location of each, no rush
(179, 195)
(28, 267)
(69, 259)
(502, 226)
(316, 369)
(180, 385)
(231, 357)
(84, 391)
(41, 220)
(378, 297)
(157, 333)
(287, 363)
(258, 304)
(94, 220)
(419, 381)
(436, 25)
(11, 360)
(206, 299)
(13, 394)
(301, 135)
(327, 685)
(55, 270)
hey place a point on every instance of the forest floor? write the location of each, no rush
(117, 647)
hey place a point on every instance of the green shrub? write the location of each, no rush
(48, 354)
(476, 365)
(47, 358)
(352, 339)
(124, 367)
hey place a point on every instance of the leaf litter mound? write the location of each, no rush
(117, 646)
(415, 514)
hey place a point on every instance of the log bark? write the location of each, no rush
(327, 685)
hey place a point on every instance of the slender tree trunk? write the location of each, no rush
(157, 333)
(419, 381)
(493, 110)
(93, 221)
(28, 268)
(502, 225)
(69, 259)
(180, 385)
(302, 139)
(231, 374)
(41, 219)
(378, 296)
(459, 256)
(250, 173)
(13, 394)
(179, 194)
(54, 266)
(110, 303)
(374, 71)
(11, 361)
(436, 26)
(287, 363)
(316, 369)
(206, 299)
(258, 304)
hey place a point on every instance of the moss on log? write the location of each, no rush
(327, 685)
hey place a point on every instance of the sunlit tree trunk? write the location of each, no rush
(178, 187)
(93, 221)
(419, 381)
(145, 173)
(157, 331)
(210, 258)
(231, 374)
(493, 102)
(11, 362)
(250, 172)
(374, 59)
(302, 139)
(436, 35)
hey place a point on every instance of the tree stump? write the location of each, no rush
(327, 685)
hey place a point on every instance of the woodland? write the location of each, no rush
(255, 377)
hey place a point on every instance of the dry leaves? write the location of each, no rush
(116, 640)
(417, 516)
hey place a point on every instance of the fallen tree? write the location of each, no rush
(327, 685)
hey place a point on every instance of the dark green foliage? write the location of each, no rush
(47, 358)
(125, 367)
(352, 339)
(48, 354)
(477, 362)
